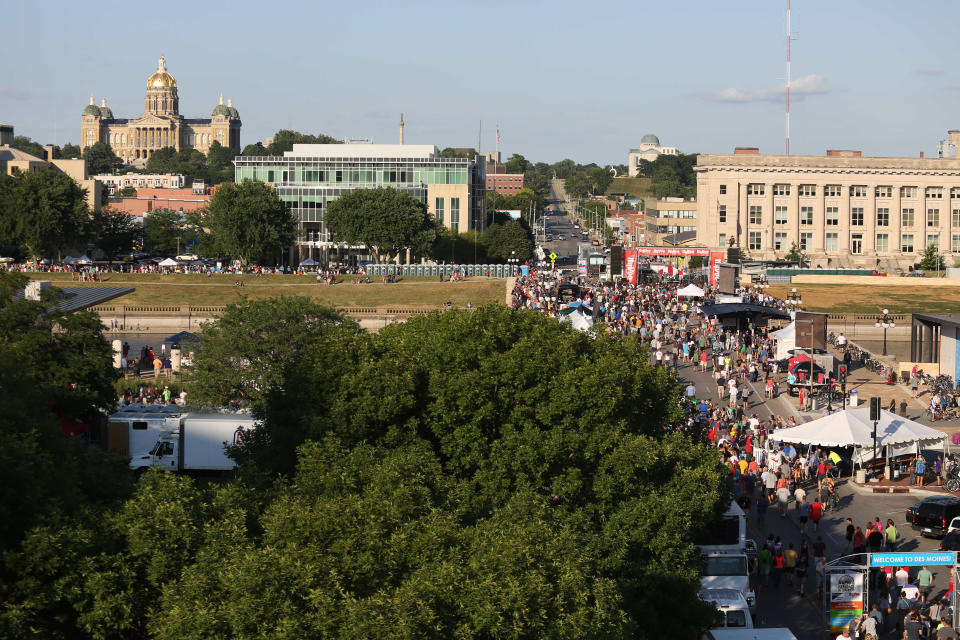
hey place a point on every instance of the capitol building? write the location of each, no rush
(134, 140)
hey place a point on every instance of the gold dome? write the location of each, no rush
(161, 79)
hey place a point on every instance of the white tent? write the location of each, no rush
(84, 259)
(853, 427)
(168, 262)
(578, 319)
(70, 260)
(786, 340)
(690, 291)
(309, 262)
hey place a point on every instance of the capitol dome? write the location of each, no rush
(233, 110)
(91, 109)
(650, 139)
(160, 78)
(105, 111)
(221, 109)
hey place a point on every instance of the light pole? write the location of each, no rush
(513, 260)
(885, 322)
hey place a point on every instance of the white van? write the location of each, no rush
(778, 633)
(729, 571)
(733, 606)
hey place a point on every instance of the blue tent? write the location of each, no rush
(183, 336)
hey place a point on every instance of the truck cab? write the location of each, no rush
(729, 571)
(162, 455)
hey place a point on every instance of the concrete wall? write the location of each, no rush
(876, 281)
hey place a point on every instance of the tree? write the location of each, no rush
(220, 163)
(510, 239)
(537, 183)
(517, 164)
(242, 355)
(256, 149)
(163, 231)
(284, 140)
(162, 160)
(695, 262)
(794, 255)
(577, 184)
(932, 260)
(465, 247)
(42, 210)
(101, 159)
(115, 232)
(450, 152)
(29, 146)
(386, 220)
(249, 222)
(70, 151)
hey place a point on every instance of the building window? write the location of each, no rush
(455, 214)
(755, 189)
(883, 217)
(831, 242)
(780, 214)
(933, 217)
(884, 192)
(906, 218)
(883, 242)
(906, 243)
(780, 240)
(807, 190)
(956, 218)
(832, 191)
(955, 243)
(832, 216)
(933, 240)
(934, 192)
(908, 192)
(806, 241)
(438, 207)
(858, 191)
(723, 189)
(781, 189)
(722, 240)
(754, 241)
(955, 192)
(722, 212)
(756, 214)
(856, 216)
(806, 216)
(856, 243)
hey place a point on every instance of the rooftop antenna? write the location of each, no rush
(790, 36)
(401, 128)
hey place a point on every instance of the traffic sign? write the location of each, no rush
(913, 559)
(553, 256)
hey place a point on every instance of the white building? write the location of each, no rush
(137, 180)
(649, 150)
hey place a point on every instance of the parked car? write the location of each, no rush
(951, 541)
(932, 516)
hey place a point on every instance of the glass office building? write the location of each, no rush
(312, 175)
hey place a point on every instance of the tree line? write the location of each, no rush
(464, 474)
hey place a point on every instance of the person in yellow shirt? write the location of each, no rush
(789, 563)
(743, 466)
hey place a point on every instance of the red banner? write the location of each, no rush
(675, 252)
(630, 266)
(716, 257)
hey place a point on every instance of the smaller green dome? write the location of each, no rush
(651, 139)
(105, 112)
(233, 112)
(91, 110)
(221, 110)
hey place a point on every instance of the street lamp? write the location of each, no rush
(513, 260)
(885, 322)
(794, 299)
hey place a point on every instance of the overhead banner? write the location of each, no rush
(846, 599)
(913, 559)
(716, 257)
(630, 266)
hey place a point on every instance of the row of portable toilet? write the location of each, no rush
(428, 270)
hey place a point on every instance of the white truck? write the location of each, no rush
(773, 633)
(134, 428)
(195, 442)
(729, 571)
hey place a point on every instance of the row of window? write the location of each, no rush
(836, 190)
(438, 208)
(311, 176)
(831, 242)
(832, 216)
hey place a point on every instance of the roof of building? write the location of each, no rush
(856, 163)
(941, 318)
(160, 78)
(730, 309)
(650, 139)
(77, 298)
(680, 238)
(8, 153)
(424, 151)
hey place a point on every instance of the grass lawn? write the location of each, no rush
(635, 187)
(842, 298)
(218, 290)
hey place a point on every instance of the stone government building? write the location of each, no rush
(841, 209)
(134, 140)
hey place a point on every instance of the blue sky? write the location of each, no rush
(562, 79)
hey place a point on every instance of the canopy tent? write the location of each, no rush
(168, 262)
(690, 291)
(84, 259)
(309, 262)
(578, 319)
(183, 336)
(70, 260)
(576, 305)
(6, 259)
(786, 340)
(853, 428)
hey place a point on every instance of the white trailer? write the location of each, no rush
(196, 442)
(135, 428)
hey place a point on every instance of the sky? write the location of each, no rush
(561, 79)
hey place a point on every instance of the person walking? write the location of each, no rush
(816, 512)
(849, 535)
(803, 565)
(803, 509)
(921, 468)
(790, 558)
(924, 582)
(892, 536)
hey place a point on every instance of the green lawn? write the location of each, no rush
(843, 298)
(218, 290)
(635, 187)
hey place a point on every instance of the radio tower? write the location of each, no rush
(789, 38)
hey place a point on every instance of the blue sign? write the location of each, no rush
(913, 559)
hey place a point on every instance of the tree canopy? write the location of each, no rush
(509, 239)
(384, 219)
(114, 232)
(163, 232)
(284, 140)
(42, 211)
(24, 143)
(101, 159)
(248, 221)
(213, 168)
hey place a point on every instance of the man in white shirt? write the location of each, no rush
(903, 576)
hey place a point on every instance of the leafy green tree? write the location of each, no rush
(795, 254)
(450, 152)
(255, 149)
(510, 239)
(517, 164)
(162, 160)
(127, 192)
(27, 145)
(101, 159)
(600, 178)
(220, 163)
(284, 140)
(242, 355)
(115, 232)
(538, 183)
(622, 170)
(70, 151)
(248, 221)
(932, 260)
(386, 220)
(161, 230)
(577, 184)
(466, 247)
(43, 211)
(563, 168)
(695, 262)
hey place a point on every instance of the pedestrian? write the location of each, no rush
(803, 565)
(783, 498)
(924, 582)
(762, 505)
(903, 608)
(859, 541)
(803, 509)
(892, 536)
(816, 511)
(877, 616)
(765, 559)
(790, 563)
(938, 469)
(849, 535)
(921, 468)
(778, 564)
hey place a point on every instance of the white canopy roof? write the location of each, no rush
(786, 340)
(168, 262)
(578, 319)
(853, 427)
(690, 291)
(309, 262)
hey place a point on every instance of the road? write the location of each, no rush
(784, 606)
(559, 224)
